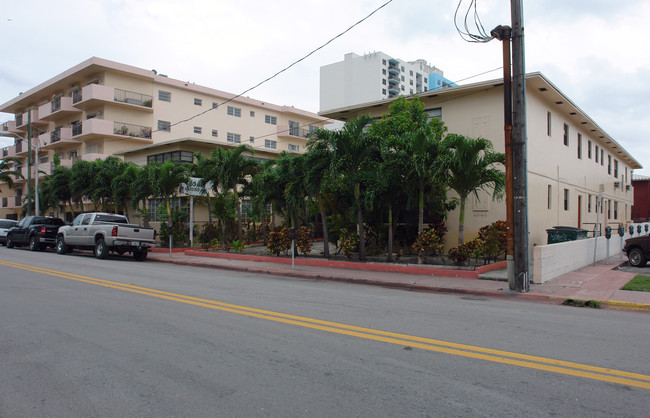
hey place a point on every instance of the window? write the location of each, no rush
(294, 148)
(589, 149)
(434, 113)
(155, 215)
(164, 96)
(271, 144)
(215, 133)
(197, 129)
(602, 156)
(609, 164)
(580, 146)
(294, 128)
(271, 119)
(252, 113)
(589, 204)
(175, 156)
(383, 81)
(566, 134)
(234, 111)
(383, 71)
(164, 126)
(411, 82)
(383, 91)
(215, 105)
(616, 168)
(566, 199)
(251, 139)
(609, 209)
(615, 210)
(231, 137)
(383, 62)
(548, 196)
(198, 102)
(548, 123)
(596, 153)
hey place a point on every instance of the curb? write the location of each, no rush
(627, 306)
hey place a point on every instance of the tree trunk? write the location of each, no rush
(421, 208)
(360, 228)
(461, 222)
(238, 219)
(389, 258)
(323, 215)
(169, 225)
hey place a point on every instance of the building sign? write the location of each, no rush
(193, 187)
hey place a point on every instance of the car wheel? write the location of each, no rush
(61, 246)
(140, 255)
(33, 244)
(636, 257)
(101, 251)
(10, 243)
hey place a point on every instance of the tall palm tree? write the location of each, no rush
(472, 166)
(233, 167)
(60, 180)
(318, 163)
(167, 178)
(353, 149)
(141, 189)
(121, 186)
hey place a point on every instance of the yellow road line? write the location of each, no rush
(498, 356)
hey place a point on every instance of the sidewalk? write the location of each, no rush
(598, 283)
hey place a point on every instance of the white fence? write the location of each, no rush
(551, 261)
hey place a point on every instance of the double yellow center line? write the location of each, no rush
(497, 356)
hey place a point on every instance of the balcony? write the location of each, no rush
(93, 95)
(284, 131)
(107, 129)
(9, 152)
(10, 126)
(59, 137)
(59, 108)
(22, 120)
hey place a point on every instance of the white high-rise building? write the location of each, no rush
(375, 76)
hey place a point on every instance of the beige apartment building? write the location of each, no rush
(571, 160)
(101, 108)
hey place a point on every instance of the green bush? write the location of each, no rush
(348, 242)
(461, 254)
(303, 241)
(428, 243)
(279, 242)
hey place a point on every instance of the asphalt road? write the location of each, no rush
(87, 337)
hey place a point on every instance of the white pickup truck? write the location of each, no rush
(103, 233)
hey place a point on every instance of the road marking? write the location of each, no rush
(481, 353)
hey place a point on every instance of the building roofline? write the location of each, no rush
(94, 64)
(535, 81)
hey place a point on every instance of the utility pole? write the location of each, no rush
(29, 162)
(519, 139)
(504, 34)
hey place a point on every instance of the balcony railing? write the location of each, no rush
(76, 96)
(56, 104)
(76, 128)
(128, 129)
(124, 96)
(55, 136)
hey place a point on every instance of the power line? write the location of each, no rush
(481, 35)
(285, 68)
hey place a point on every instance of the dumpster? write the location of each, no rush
(565, 233)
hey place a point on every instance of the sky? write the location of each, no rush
(593, 50)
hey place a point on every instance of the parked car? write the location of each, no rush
(103, 233)
(39, 232)
(637, 250)
(5, 225)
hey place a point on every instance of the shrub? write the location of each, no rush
(208, 234)
(493, 239)
(238, 246)
(349, 242)
(303, 240)
(428, 243)
(279, 242)
(464, 251)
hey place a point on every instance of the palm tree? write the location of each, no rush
(166, 179)
(81, 181)
(472, 166)
(205, 168)
(233, 167)
(318, 163)
(60, 180)
(353, 149)
(7, 172)
(121, 186)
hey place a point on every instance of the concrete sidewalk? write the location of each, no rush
(599, 283)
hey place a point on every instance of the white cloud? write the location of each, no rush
(593, 50)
